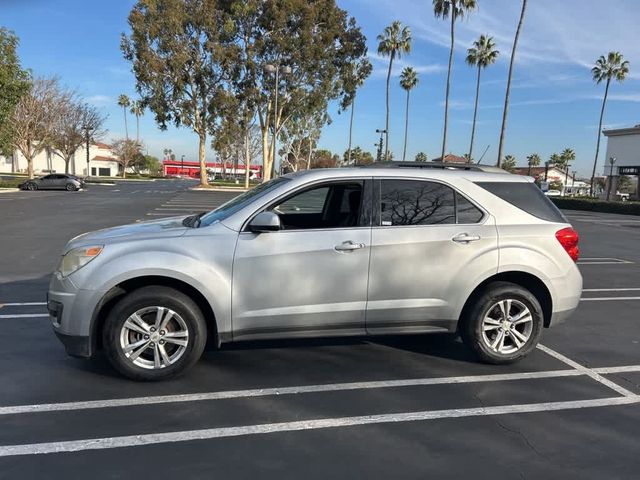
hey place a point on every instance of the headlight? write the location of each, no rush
(77, 258)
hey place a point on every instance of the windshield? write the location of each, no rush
(236, 204)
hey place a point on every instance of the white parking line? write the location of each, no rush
(340, 422)
(603, 261)
(24, 304)
(24, 315)
(587, 371)
(264, 392)
(610, 289)
(607, 299)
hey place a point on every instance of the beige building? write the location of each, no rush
(623, 156)
(102, 162)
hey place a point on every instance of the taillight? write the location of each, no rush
(569, 238)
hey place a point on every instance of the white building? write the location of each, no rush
(102, 162)
(623, 154)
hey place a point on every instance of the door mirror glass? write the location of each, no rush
(265, 222)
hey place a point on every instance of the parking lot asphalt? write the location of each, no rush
(388, 407)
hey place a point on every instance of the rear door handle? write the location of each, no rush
(348, 246)
(465, 238)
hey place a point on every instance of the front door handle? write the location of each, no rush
(465, 238)
(348, 246)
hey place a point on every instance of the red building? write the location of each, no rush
(173, 168)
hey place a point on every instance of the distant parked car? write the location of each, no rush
(54, 181)
(553, 193)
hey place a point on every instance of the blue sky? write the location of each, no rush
(554, 103)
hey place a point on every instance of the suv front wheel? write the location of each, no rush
(154, 333)
(504, 324)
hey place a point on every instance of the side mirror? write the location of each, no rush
(265, 222)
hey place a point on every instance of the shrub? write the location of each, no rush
(593, 205)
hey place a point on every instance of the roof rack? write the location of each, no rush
(474, 167)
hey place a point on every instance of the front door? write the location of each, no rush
(310, 278)
(429, 244)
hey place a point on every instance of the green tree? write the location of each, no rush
(125, 102)
(453, 10)
(481, 55)
(567, 156)
(14, 83)
(354, 80)
(421, 157)
(615, 67)
(505, 110)
(182, 53)
(357, 156)
(533, 160)
(408, 81)
(137, 110)
(394, 42)
(509, 163)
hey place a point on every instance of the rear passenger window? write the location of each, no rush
(467, 211)
(415, 202)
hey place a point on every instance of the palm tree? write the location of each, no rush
(408, 81)
(481, 55)
(505, 111)
(394, 41)
(533, 160)
(124, 102)
(361, 72)
(453, 9)
(137, 109)
(509, 163)
(613, 66)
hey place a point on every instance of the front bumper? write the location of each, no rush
(71, 310)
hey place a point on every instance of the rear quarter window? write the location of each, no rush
(527, 197)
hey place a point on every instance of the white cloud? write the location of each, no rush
(381, 66)
(99, 100)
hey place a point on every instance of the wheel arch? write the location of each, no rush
(118, 291)
(526, 280)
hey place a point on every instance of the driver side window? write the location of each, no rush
(334, 205)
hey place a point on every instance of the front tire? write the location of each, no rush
(32, 187)
(70, 187)
(154, 333)
(504, 324)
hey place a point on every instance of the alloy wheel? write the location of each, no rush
(507, 326)
(154, 337)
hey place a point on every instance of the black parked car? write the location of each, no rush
(58, 181)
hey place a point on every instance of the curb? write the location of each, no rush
(219, 189)
(9, 190)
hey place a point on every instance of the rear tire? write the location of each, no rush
(504, 323)
(154, 333)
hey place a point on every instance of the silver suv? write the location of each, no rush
(353, 251)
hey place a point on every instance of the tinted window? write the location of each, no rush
(527, 197)
(414, 202)
(336, 205)
(467, 211)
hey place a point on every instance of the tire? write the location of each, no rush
(70, 187)
(483, 323)
(32, 186)
(149, 363)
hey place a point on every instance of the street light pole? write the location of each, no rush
(182, 165)
(612, 160)
(566, 178)
(87, 138)
(379, 153)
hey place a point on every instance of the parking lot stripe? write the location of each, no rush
(264, 392)
(587, 371)
(340, 422)
(606, 299)
(24, 304)
(610, 289)
(623, 369)
(24, 315)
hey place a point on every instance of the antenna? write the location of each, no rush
(485, 152)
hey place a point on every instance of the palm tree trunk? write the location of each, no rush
(446, 96)
(137, 128)
(386, 135)
(475, 113)
(126, 128)
(595, 161)
(406, 127)
(505, 112)
(353, 105)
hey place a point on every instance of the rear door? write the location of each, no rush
(429, 245)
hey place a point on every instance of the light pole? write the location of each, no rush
(182, 165)
(379, 153)
(276, 70)
(566, 179)
(87, 131)
(612, 161)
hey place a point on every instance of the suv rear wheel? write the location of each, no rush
(504, 324)
(154, 333)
